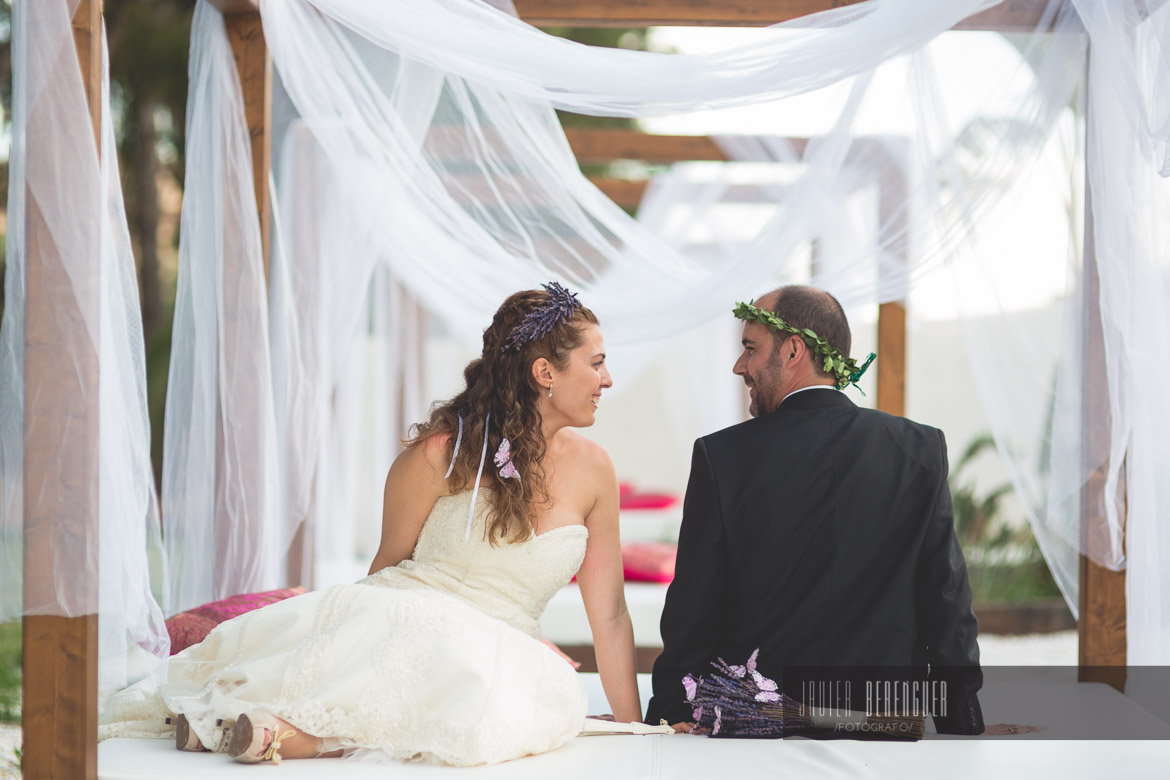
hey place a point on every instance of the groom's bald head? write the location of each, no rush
(809, 308)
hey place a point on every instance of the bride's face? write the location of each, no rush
(576, 390)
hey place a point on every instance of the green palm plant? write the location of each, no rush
(1004, 562)
(975, 514)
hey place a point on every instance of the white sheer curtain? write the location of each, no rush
(1128, 128)
(347, 362)
(54, 161)
(439, 139)
(222, 522)
(885, 221)
(436, 122)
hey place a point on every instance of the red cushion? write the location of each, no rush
(649, 561)
(193, 626)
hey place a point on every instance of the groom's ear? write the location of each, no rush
(792, 349)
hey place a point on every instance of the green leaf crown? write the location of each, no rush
(831, 359)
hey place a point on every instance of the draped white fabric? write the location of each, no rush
(1128, 127)
(886, 215)
(430, 151)
(344, 345)
(223, 528)
(481, 181)
(55, 162)
(474, 41)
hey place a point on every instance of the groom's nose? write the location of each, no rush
(740, 367)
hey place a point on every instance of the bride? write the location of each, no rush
(437, 654)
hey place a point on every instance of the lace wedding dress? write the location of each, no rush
(438, 658)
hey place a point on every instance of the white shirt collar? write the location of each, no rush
(809, 387)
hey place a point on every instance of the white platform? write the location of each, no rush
(1061, 708)
(565, 623)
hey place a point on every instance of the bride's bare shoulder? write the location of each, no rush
(432, 453)
(583, 451)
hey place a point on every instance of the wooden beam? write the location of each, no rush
(227, 7)
(603, 145)
(254, 65)
(60, 654)
(1101, 625)
(628, 193)
(1010, 16)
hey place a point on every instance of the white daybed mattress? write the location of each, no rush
(1059, 706)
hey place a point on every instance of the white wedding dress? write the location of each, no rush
(438, 658)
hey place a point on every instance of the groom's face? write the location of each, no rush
(763, 375)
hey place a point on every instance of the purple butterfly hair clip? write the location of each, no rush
(561, 306)
(503, 459)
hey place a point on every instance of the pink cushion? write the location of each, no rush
(562, 654)
(193, 626)
(629, 497)
(647, 500)
(649, 561)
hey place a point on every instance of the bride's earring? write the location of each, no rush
(550, 389)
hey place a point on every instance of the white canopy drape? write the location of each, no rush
(433, 124)
(78, 197)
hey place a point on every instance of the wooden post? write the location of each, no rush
(1101, 625)
(254, 64)
(891, 359)
(892, 209)
(891, 349)
(61, 463)
(246, 34)
(239, 494)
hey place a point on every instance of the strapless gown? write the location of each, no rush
(437, 658)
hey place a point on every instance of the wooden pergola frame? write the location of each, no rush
(60, 498)
(607, 145)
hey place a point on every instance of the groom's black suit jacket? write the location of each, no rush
(823, 535)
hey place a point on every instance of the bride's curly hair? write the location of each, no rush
(501, 383)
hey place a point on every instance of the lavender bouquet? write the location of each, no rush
(738, 701)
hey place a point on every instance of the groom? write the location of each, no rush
(818, 532)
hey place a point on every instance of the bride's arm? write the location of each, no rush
(414, 483)
(601, 582)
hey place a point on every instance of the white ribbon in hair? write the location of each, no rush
(478, 474)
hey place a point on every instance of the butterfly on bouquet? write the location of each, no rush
(503, 460)
(736, 700)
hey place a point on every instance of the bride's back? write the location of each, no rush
(511, 582)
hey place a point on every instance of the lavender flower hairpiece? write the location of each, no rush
(561, 306)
